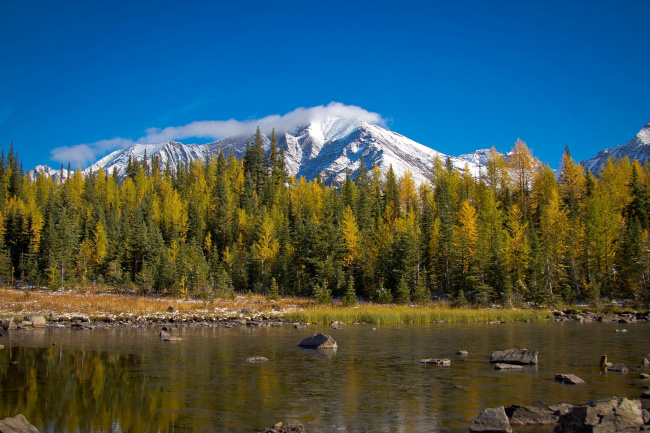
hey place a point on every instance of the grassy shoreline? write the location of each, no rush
(95, 304)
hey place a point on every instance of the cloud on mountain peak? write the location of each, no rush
(83, 154)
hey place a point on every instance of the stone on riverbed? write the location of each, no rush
(514, 356)
(318, 341)
(603, 416)
(492, 420)
(570, 379)
(256, 359)
(17, 424)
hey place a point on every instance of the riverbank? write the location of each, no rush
(105, 308)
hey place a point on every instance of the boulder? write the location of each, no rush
(644, 376)
(492, 420)
(166, 336)
(528, 415)
(514, 356)
(37, 320)
(300, 326)
(17, 424)
(645, 361)
(285, 428)
(614, 415)
(570, 379)
(318, 341)
(443, 361)
(256, 359)
(336, 324)
(462, 353)
(500, 366)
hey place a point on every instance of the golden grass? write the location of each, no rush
(97, 303)
(385, 314)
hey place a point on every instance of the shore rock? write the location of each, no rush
(514, 356)
(17, 424)
(318, 341)
(38, 321)
(9, 324)
(492, 420)
(528, 415)
(443, 361)
(500, 366)
(285, 428)
(570, 379)
(604, 416)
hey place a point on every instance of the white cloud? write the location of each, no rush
(216, 130)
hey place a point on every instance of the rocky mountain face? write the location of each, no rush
(637, 148)
(327, 148)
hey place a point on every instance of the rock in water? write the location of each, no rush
(530, 416)
(17, 424)
(571, 379)
(618, 368)
(256, 359)
(514, 356)
(615, 415)
(318, 341)
(38, 321)
(492, 420)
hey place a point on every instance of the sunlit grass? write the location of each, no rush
(385, 314)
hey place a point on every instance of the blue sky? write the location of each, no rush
(454, 75)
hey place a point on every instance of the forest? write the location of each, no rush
(517, 233)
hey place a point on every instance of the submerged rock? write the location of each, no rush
(570, 379)
(603, 416)
(462, 353)
(618, 368)
(285, 428)
(443, 361)
(514, 356)
(17, 424)
(492, 420)
(256, 359)
(500, 366)
(318, 341)
(166, 336)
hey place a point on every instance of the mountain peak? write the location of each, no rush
(637, 148)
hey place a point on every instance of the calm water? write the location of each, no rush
(127, 380)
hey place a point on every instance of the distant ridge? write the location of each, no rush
(637, 148)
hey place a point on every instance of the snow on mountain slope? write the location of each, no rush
(637, 148)
(328, 148)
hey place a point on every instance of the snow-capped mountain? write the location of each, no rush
(328, 148)
(637, 148)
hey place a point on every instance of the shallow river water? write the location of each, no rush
(127, 380)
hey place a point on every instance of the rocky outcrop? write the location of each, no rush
(16, 424)
(570, 379)
(318, 341)
(285, 428)
(615, 415)
(574, 315)
(492, 420)
(514, 356)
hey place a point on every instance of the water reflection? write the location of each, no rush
(127, 380)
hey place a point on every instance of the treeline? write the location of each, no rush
(516, 233)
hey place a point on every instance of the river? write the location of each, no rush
(127, 380)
